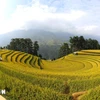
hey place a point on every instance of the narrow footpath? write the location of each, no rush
(77, 94)
(2, 98)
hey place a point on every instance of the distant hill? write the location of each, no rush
(44, 37)
(49, 42)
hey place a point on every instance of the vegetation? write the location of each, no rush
(27, 77)
(64, 50)
(35, 48)
(49, 51)
(24, 45)
(75, 43)
(78, 43)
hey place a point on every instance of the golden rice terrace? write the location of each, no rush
(72, 77)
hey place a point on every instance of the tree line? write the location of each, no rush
(24, 45)
(28, 46)
(77, 43)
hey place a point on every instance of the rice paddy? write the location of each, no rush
(27, 77)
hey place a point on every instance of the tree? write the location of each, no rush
(40, 55)
(1, 47)
(35, 48)
(77, 43)
(64, 50)
(91, 44)
(24, 45)
(29, 46)
(74, 43)
(81, 43)
(21, 44)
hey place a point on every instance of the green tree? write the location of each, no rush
(29, 46)
(64, 50)
(35, 48)
(74, 43)
(77, 43)
(91, 44)
(21, 44)
(40, 55)
(82, 43)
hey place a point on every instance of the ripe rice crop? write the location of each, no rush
(28, 77)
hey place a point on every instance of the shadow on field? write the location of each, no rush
(67, 90)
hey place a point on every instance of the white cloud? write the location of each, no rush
(42, 16)
(2, 8)
(88, 29)
(53, 15)
(2, 15)
(42, 12)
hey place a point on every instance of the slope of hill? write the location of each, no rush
(44, 37)
(47, 40)
(28, 77)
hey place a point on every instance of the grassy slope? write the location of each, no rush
(58, 79)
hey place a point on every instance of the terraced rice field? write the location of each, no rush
(72, 77)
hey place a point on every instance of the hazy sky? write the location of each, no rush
(75, 16)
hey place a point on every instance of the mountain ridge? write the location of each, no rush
(43, 37)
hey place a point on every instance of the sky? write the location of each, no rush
(73, 16)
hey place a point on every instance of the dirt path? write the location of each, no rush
(2, 98)
(77, 94)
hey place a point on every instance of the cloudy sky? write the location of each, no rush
(75, 16)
